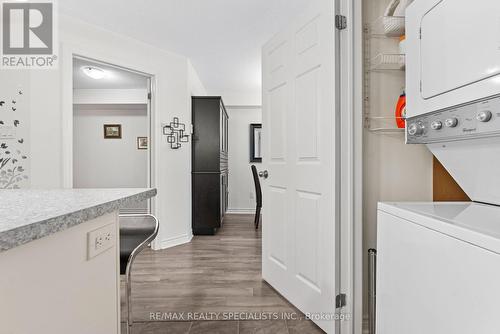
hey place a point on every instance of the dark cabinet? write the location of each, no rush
(209, 164)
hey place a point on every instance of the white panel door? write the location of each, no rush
(299, 124)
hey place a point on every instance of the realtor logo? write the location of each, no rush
(28, 35)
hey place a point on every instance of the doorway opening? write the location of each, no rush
(111, 128)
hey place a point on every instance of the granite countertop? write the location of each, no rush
(27, 215)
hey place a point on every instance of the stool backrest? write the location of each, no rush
(258, 190)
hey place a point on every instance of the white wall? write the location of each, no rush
(110, 96)
(392, 171)
(235, 98)
(241, 186)
(195, 86)
(109, 163)
(51, 107)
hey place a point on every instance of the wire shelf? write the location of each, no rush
(386, 130)
(388, 26)
(385, 27)
(383, 124)
(388, 62)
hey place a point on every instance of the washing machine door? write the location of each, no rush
(453, 54)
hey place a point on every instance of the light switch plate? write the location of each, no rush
(100, 240)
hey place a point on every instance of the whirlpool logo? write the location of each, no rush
(29, 35)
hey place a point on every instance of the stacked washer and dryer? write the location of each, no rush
(438, 264)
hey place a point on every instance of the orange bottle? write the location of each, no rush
(401, 111)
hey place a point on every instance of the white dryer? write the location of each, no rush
(438, 264)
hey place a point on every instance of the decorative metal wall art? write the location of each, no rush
(176, 134)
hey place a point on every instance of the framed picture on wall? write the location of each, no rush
(142, 143)
(112, 131)
(255, 142)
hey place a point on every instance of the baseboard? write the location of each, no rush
(171, 242)
(241, 211)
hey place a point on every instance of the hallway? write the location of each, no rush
(211, 285)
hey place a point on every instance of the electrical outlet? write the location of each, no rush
(100, 240)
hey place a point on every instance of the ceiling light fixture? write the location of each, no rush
(94, 72)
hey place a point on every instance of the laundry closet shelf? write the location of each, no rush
(382, 124)
(386, 130)
(388, 62)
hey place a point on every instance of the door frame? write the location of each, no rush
(68, 53)
(351, 167)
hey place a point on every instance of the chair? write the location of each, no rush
(136, 232)
(258, 195)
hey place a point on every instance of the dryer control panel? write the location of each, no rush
(472, 120)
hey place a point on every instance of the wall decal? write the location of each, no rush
(14, 151)
(176, 133)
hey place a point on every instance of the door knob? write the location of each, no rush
(264, 174)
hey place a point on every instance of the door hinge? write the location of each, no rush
(149, 96)
(340, 300)
(340, 22)
(420, 33)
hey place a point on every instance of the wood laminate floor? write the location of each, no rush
(211, 285)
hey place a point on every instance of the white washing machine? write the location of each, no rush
(438, 264)
(438, 268)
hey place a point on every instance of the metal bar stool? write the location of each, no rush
(136, 232)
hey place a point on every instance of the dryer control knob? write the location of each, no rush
(484, 116)
(436, 125)
(415, 129)
(451, 122)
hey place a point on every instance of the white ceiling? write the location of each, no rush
(115, 78)
(223, 38)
